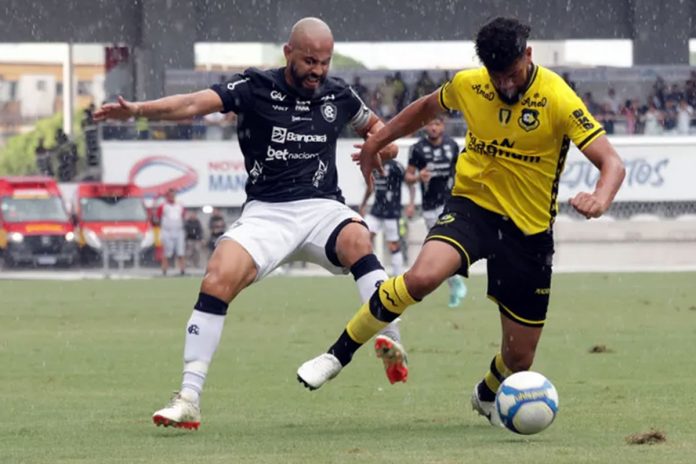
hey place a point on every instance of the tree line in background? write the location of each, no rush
(46, 150)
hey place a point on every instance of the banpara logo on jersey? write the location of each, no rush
(282, 135)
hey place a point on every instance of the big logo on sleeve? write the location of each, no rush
(582, 120)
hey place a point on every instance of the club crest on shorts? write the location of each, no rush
(329, 111)
(445, 219)
(193, 329)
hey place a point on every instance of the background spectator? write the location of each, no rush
(685, 113)
(216, 227)
(194, 237)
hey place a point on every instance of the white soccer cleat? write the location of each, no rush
(486, 409)
(316, 372)
(180, 412)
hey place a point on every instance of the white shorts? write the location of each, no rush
(389, 226)
(431, 216)
(278, 233)
(173, 242)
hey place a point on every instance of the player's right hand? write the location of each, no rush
(410, 211)
(589, 205)
(425, 175)
(123, 109)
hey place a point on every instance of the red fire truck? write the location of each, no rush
(35, 227)
(112, 222)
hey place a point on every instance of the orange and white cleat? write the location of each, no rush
(393, 355)
(181, 413)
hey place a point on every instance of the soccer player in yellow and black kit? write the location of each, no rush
(521, 119)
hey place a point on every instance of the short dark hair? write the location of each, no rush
(501, 42)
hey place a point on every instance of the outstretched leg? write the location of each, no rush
(230, 270)
(436, 261)
(354, 251)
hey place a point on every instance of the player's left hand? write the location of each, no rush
(369, 160)
(386, 153)
(588, 205)
(356, 156)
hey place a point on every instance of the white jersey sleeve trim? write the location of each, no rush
(362, 116)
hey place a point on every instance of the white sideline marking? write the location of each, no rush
(312, 271)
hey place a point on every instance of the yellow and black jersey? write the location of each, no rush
(514, 154)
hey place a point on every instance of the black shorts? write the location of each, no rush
(519, 265)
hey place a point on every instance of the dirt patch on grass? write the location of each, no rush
(652, 437)
(600, 349)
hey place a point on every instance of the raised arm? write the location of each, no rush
(409, 120)
(175, 107)
(611, 174)
(374, 125)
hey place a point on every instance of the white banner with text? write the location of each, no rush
(212, 173)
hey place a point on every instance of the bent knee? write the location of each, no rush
(217, 272)
(353, 243)
(229, 270)
(421, 283)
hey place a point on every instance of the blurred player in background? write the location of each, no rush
(171, 219)
(432, 162)
(289, 120)
(216, 228)
(521, 119)
(384, 217)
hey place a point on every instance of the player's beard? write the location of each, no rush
(512, 97)
(298, 79)
(516, 94)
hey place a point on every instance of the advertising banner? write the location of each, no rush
(212, 173)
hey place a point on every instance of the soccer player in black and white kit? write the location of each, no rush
(385, 212)
(289, 120)
(384, 217)
(432, 162)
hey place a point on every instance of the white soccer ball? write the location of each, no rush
(527, 402)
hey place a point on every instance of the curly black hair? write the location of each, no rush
(501, 42)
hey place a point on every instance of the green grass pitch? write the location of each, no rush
(84, 365)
